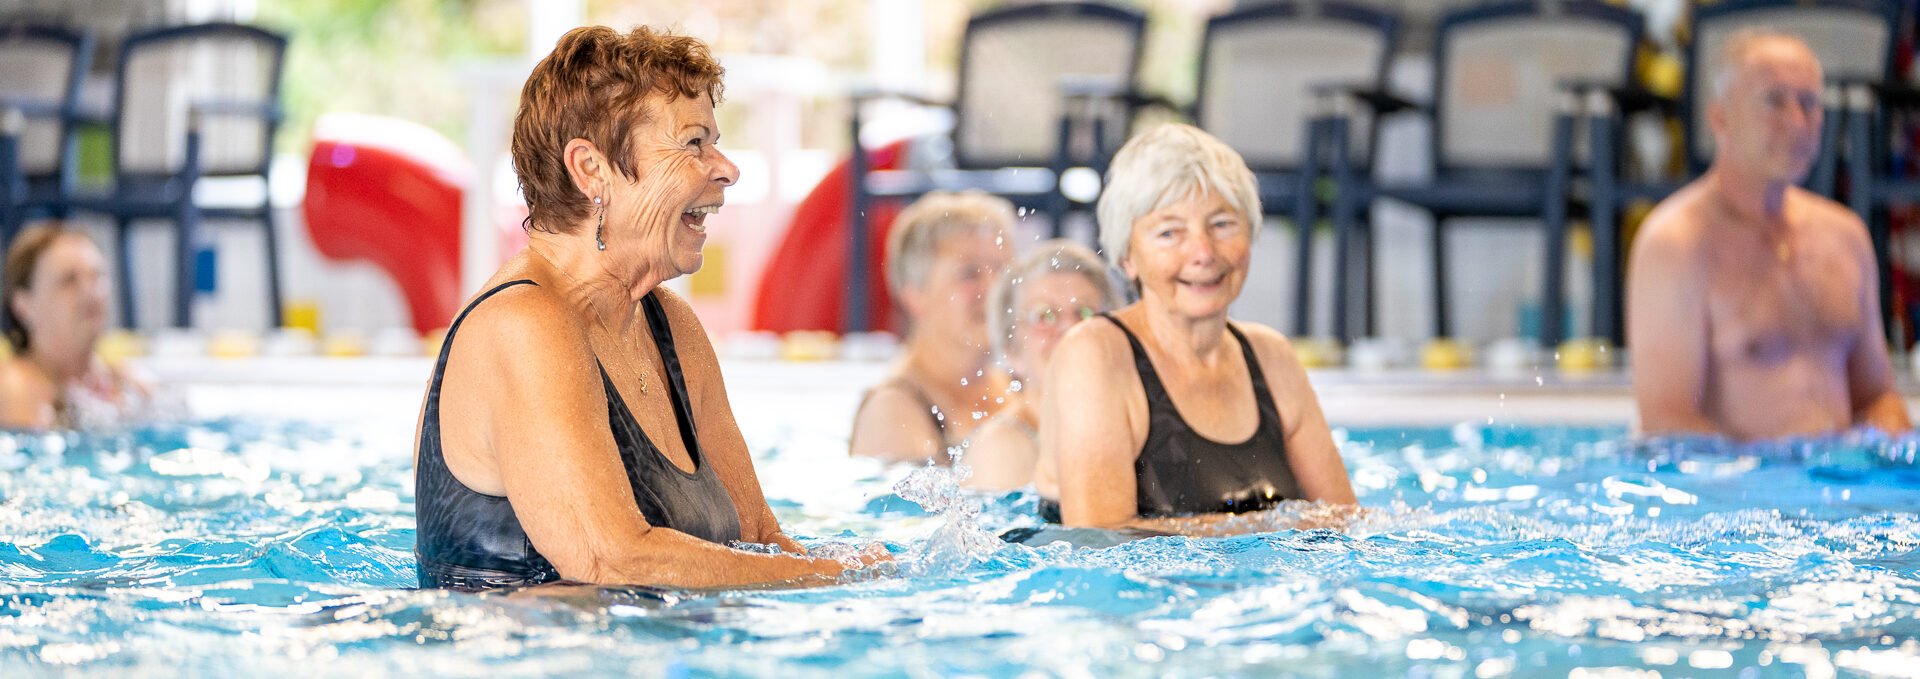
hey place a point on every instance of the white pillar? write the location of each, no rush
(899, 45)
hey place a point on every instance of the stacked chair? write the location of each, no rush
(193, 102)
(41, 68)
(1502, 141)
(1021, 68)
(190, 102)
(1263, 68)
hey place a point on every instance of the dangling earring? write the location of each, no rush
(599, 225)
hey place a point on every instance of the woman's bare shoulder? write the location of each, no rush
(1266, 341)
(1097, 341)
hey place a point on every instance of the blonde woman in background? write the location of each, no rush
(944, 252)
(1036, 301)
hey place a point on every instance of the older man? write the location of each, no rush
(1752, 304)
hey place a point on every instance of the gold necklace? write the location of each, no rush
(640, 372)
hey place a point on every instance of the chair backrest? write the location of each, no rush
(1498, 70)
(1008, 109)
(43, 66)
(1259, 66)
(1852, 38)
(167, 74)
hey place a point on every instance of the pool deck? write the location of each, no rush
(390, 389)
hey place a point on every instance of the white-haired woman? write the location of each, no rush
(1166, 408)
(943, 254)
(1034, 303)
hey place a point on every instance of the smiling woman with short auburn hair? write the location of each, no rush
(576, 427)
(1166, 408)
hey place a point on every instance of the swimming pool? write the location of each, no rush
(245, 547)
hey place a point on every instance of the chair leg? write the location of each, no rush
(854, 314)
(185, 252)
(274, 319)
(1554, 201)
(129, 316)
(1440, 276)
(1604, 215)
(1303, 270)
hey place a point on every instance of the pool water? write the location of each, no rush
(248, 548)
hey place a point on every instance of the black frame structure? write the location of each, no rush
(169, 195)
(1292, 188)
(971, 172)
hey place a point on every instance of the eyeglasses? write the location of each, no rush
(1050, 315)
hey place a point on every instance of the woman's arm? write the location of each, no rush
(720, 437)
(893, 424)
(1090, 427)
(26, 401)
(1001, 454)
(1311, 452)
(544, 416)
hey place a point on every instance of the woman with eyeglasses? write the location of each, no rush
(1166, 415)
(1043, 294)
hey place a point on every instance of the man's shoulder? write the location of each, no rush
(1827, 212)
(1680, 220)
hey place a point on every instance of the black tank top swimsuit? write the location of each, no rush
(467, 540)
(1181, 473)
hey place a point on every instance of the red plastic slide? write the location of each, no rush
(389, 191)
(804, 284)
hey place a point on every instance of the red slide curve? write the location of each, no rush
(389, 192)
(804, 284)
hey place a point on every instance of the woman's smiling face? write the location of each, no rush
(656, 220)
(1191, 256)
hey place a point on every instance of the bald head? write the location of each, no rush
(1750, 47)
(1766, 112)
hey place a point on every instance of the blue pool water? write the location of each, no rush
(233, 548)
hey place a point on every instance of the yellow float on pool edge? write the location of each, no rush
(1584, 354)
(809, 345)
(116, 346)
(430, 343)
(1445, 353)
(234, 344)
(344, 344)
(1318, 352)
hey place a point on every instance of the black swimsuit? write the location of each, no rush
(1181, 473)
(469, 540)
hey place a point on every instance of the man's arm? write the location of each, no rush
(1667, 329)
(1875, 401)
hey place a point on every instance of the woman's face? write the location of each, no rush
(1043, 309)
(953, 300)
(656, 221)
(65, 304)
(1191, 256)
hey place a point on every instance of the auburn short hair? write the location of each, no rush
(594, 86)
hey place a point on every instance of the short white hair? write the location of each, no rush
(1733, 55)
(1162, 166)
(919, 230)
(1054, 256)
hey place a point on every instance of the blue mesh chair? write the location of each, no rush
(1011, 123)
(193, 102)
(1852, 38)
(1502, 141)
(1262, 67)
(40, 72)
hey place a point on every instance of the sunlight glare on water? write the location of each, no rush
(246, 548)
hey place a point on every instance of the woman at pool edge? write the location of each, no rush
(1140, 403)
(577, 427)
